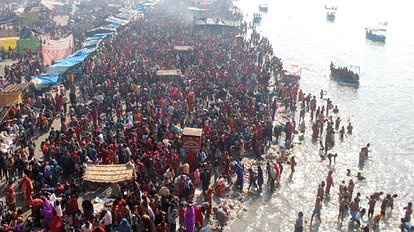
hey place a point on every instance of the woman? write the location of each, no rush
(329, 182)
(190, 218)
(299, 223)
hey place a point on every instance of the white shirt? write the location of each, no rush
(108, 218)
(58, 210)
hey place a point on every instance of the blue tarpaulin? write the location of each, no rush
(47, 80)
(142, 8)
(113, 25)
(72, 60)
(68, 62)
(98, 36)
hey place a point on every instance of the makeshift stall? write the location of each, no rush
(109, 173)
(183, 48)
(169, 75)
(7, 101)
(192, 139)
(23, 88)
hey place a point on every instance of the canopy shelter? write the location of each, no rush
(209, 22)
(171, 72)
(7, 99)
(100, 30)
(109, 173)
(196, 9)
(17, 88)
(183, 48)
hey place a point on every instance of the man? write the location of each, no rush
(342, 208)
(362, 158)
(317, 210)
(408, 212)
(353, 209)
(349, 128)
(205, 178)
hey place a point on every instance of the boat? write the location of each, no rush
(377, 34)
(330, 13)
(263, 7)
(344, 72)
(257, 17)
(291, 73)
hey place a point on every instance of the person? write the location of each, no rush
(205, 179)
(405, 226)
(10, 195)
(252, 179)
(124, 226)
(342, 188)
(321, 191)
(299, 223)
(302, 126)
(86, 227)
(360, 177)
(221, 216)
(27, 190)
(330, 155)
(342, 132)
(190, 217)
(342, 208)
(353, 209)
(292, 165)
(385, 203)
(408, 212)
(362, 158)
(349, 128)
(371, 204)
(317, 210)
(329, 182)
(377, 219)
(359, 217)
(260, 178)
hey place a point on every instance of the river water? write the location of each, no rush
(380, 109)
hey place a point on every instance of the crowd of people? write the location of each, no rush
(122, 112)
(117, 110)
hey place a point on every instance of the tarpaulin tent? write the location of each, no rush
(55, 50)
(46, 80)
(100, 30)
(172, 72)
(109, 173)
(31, 44)
(116, 20)
(183, 48)
(98, 36)
(29, 16)
(8, 19)
(9, 42)
(25, 32)
(17, 88)
(7, 99)
(68, 62)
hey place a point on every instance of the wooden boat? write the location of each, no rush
(378, 33)
(343, 72)
(330, 13)
(257, 17)
(263, 7)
